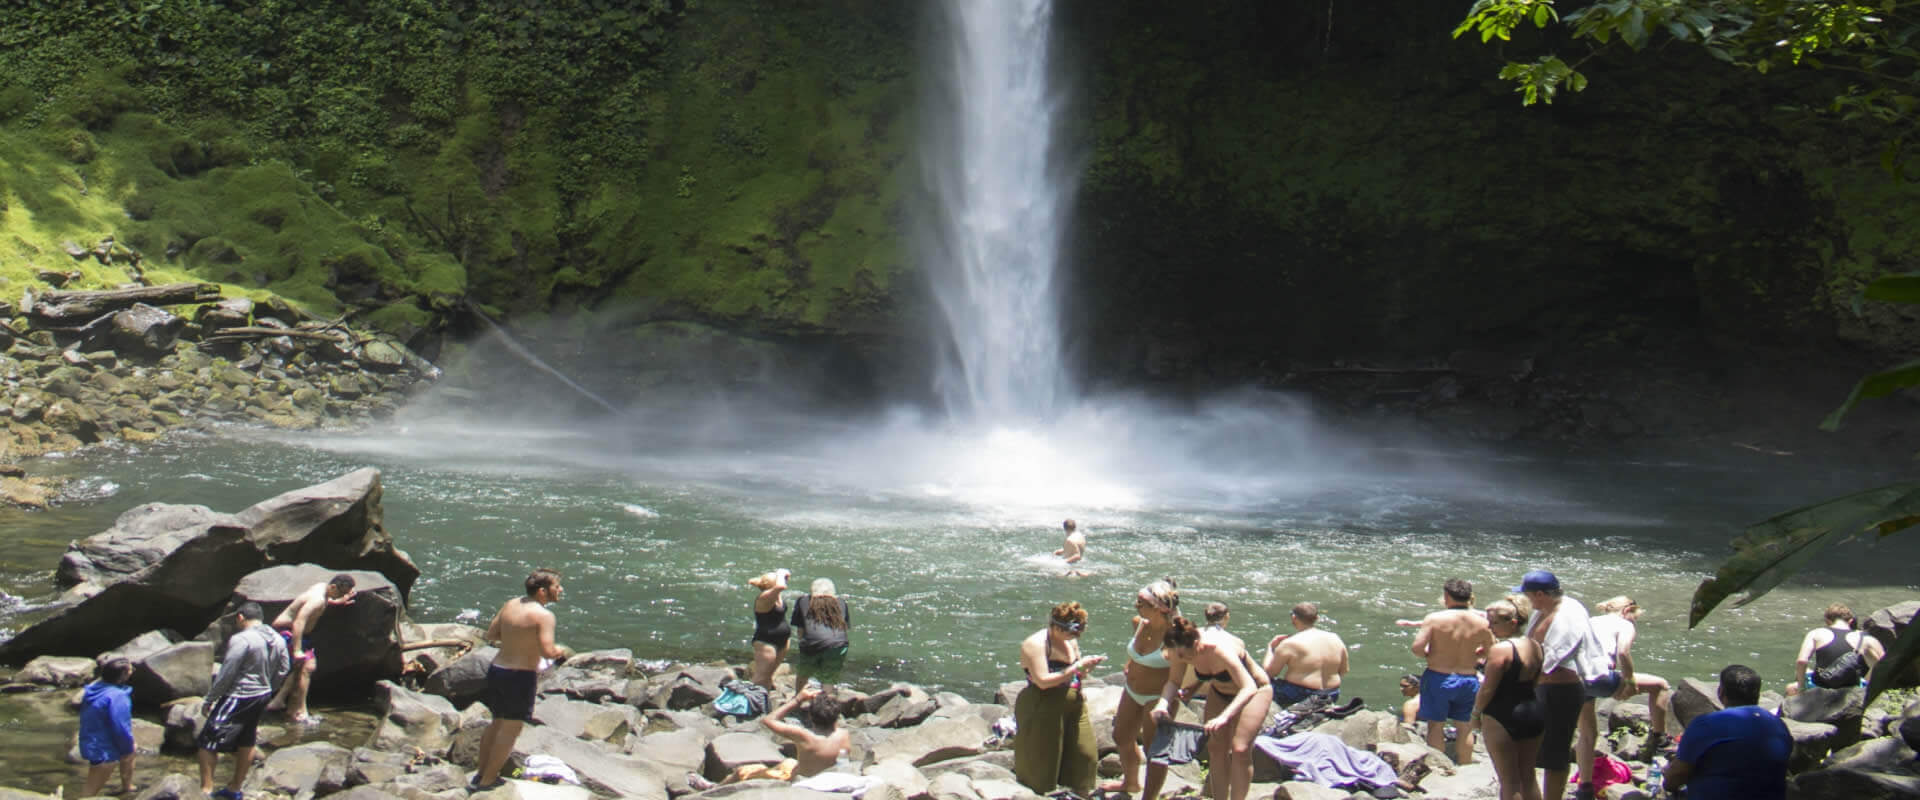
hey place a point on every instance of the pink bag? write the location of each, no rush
(1607, 771)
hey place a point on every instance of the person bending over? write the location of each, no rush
(295, 625)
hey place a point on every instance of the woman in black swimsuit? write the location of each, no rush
(770, 628)
(1238, 695)
(1054, 744)
(1506, 699)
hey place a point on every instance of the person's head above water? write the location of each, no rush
(1070, 526)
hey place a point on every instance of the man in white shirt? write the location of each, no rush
(1573, 671)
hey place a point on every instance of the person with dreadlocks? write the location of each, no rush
(820, 622)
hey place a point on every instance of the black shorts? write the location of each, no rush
(1176, 743)
(1560, 705)
(232, 723)
(510, 693)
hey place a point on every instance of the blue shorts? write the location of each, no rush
(1445, 696)
(1603, 686)
(1286, 693)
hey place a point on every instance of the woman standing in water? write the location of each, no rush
(1146, 674)
(1506, 710)
(1238, 695)
(1054, 744)
(770, 628)
(821, 621)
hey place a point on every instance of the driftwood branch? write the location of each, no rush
(68, 306)
(268, 333)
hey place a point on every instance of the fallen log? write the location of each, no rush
(268, 333)
(65, 307)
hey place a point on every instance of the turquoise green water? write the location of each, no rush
(946, 570)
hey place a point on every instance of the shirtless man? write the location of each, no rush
(1451, 641)
(1312, 660)
(1075, 548)
(1573, 671)
(524, 631)
(295, 623)
(817, 745)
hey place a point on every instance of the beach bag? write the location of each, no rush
(1845, 672)
(741, 699)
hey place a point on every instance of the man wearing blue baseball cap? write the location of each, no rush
(1573, 666)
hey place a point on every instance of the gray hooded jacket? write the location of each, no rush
(256, 662)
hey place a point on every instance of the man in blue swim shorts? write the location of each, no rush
(1451, 640)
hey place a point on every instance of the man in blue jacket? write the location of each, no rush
(106, 726)
(255, 663)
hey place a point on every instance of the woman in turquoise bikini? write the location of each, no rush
(1146, 672)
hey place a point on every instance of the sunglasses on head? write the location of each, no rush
(1069, 626)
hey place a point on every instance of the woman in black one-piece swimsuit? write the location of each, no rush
(770, 628)
(1509, 715)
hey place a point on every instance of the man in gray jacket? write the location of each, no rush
(255, 663)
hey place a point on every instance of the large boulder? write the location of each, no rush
(672, 755)
(315, 768)
(582, 720)
(1812, 741)
(732, 751)
(1884, 753)
(1842, 708)
(146, 330)
(601, 770)
(410, 719)
(1886, 625)
(358, 644)
(183, 720)
(464, 680)
(934, 742)
(1693, 697)
(59, 672)
(689, 687)
(174, 567)
(1847, 783)
(176, 671)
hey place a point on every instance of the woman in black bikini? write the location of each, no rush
(1238, 695)
(1506, 699)
(1054, 743)
(770, 628)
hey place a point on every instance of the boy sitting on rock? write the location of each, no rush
(817, 745)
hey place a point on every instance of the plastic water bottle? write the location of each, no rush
(1656, 781)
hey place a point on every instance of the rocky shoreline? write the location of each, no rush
(82, 368)
(159, 588)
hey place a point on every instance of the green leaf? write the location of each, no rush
(1877, 385)
(1540, 16)
(1577, 82)
(1904, 288)
(1768, 553)
(1903, 654)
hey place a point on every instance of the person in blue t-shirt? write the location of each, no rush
(106, 726)
(1739, 753)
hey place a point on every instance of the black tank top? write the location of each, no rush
(1833, 649)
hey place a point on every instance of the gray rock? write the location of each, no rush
(977, 768)
(183, 722)
(1003, 790)
(315, 768)
(672, 755)
(175, 567)
(146, 331)
(901, 775)
(1844, 709)
(62, 672)
(464, 680)
(731, 751)
(602, 771)
(873, 703)
(1882, 754)
(952, 786)
(581, 720)
(1634, 715)
(179, 670)
(367, 793)
(370, 766)
(410, 719)
(140, 647)
(230, 313)
(173, 787)
(1008, 692)
(1812, 741)
(465, 748)
(434, 779)
(1847, 783)
(1693, 697)
(763, 790)
(934, 742)
(904, 712)
(381, 356)
(1301, 790)
(1366, 729)
(691, 687)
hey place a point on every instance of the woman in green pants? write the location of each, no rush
(1054, 744)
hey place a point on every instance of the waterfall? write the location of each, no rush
(999, 201)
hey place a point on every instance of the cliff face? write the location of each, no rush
(1267, 186)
